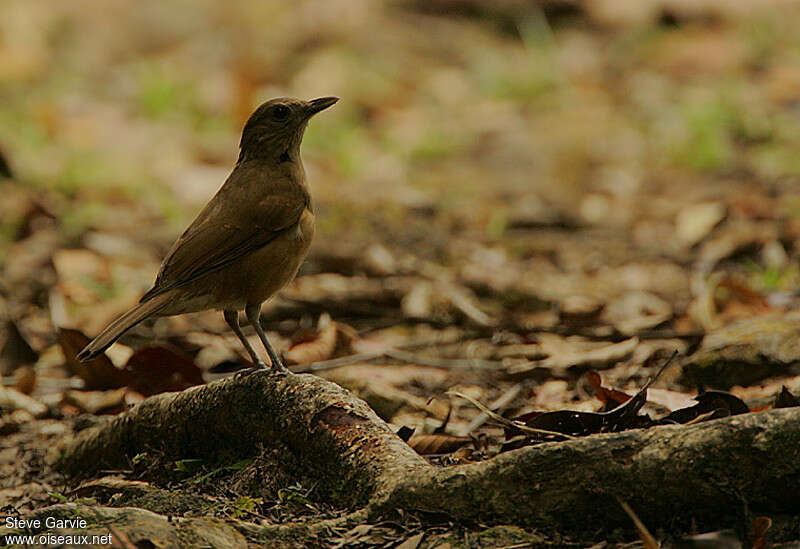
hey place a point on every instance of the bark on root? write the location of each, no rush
(715, 473)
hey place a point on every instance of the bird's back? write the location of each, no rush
(255, 206)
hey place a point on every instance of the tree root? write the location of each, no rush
(714, 474)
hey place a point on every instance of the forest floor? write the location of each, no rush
(533, 208)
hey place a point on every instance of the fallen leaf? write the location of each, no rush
(159, 369)
(79, 274)
(96, 402)
(711, 405)
(605, 394)
(11, 399)
(786, 399)
(722, 539)
(564, 353)
(413, 542)
(671, 400)
(633, 312)
(694, 222)
(98, 373)
(25, 380)
(426, 445)
(15, 350)
(11, 423)
(379, 261)
(731, 237)
(417, 303)
(321, 347)
(105, 487)
(758, 535)
(578, 423)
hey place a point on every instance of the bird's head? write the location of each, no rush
(276, 128)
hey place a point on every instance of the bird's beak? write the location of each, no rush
(316, 105)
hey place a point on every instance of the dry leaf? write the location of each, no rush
(159, 369)
(25, 380)
(426, 445)
(567, 352)
(98, 373)
(695, 222)
(319, 348)
(96, 402)
(11, 399)
(15, 350)
(413, 542)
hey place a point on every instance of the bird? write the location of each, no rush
(247, 242)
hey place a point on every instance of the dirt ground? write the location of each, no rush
(525, 205)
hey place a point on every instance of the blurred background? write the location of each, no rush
(528, 181)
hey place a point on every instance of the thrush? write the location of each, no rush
(247, 242)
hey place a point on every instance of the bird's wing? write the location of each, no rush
(228, 229)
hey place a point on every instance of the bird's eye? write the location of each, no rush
(280, 112)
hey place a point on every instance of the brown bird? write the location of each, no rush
(249, 240)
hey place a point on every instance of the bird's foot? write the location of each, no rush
(259, 367)
(279, 368)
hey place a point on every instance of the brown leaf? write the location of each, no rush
(159, 369)
(14, 349)
(758, 535)
(578, 423)
(11, 423)
(319, 348)
(710, 405)
(413, 542)
(98, 373)
(11, 399)
(636, 311)
(721, 539)
(426, 445)
(735, 300)
(695, 221)
(95, 402)
(105, 487)
(671, 400)
(25, 380)
(605, 394)
(786, 399)
(79, 273)
(567, 352)
(379, 261)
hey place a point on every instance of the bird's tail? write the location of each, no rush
(127, 321)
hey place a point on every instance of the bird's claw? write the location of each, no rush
(279, 368)
(259, 367)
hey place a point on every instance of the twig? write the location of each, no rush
(504, 400)
(443, 362)
(334, 362)
(505, 421)
(402, 356)
(647, 538)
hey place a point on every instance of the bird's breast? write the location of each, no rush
(305, 227)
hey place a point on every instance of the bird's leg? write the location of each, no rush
(232, 318)
(253, 313)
